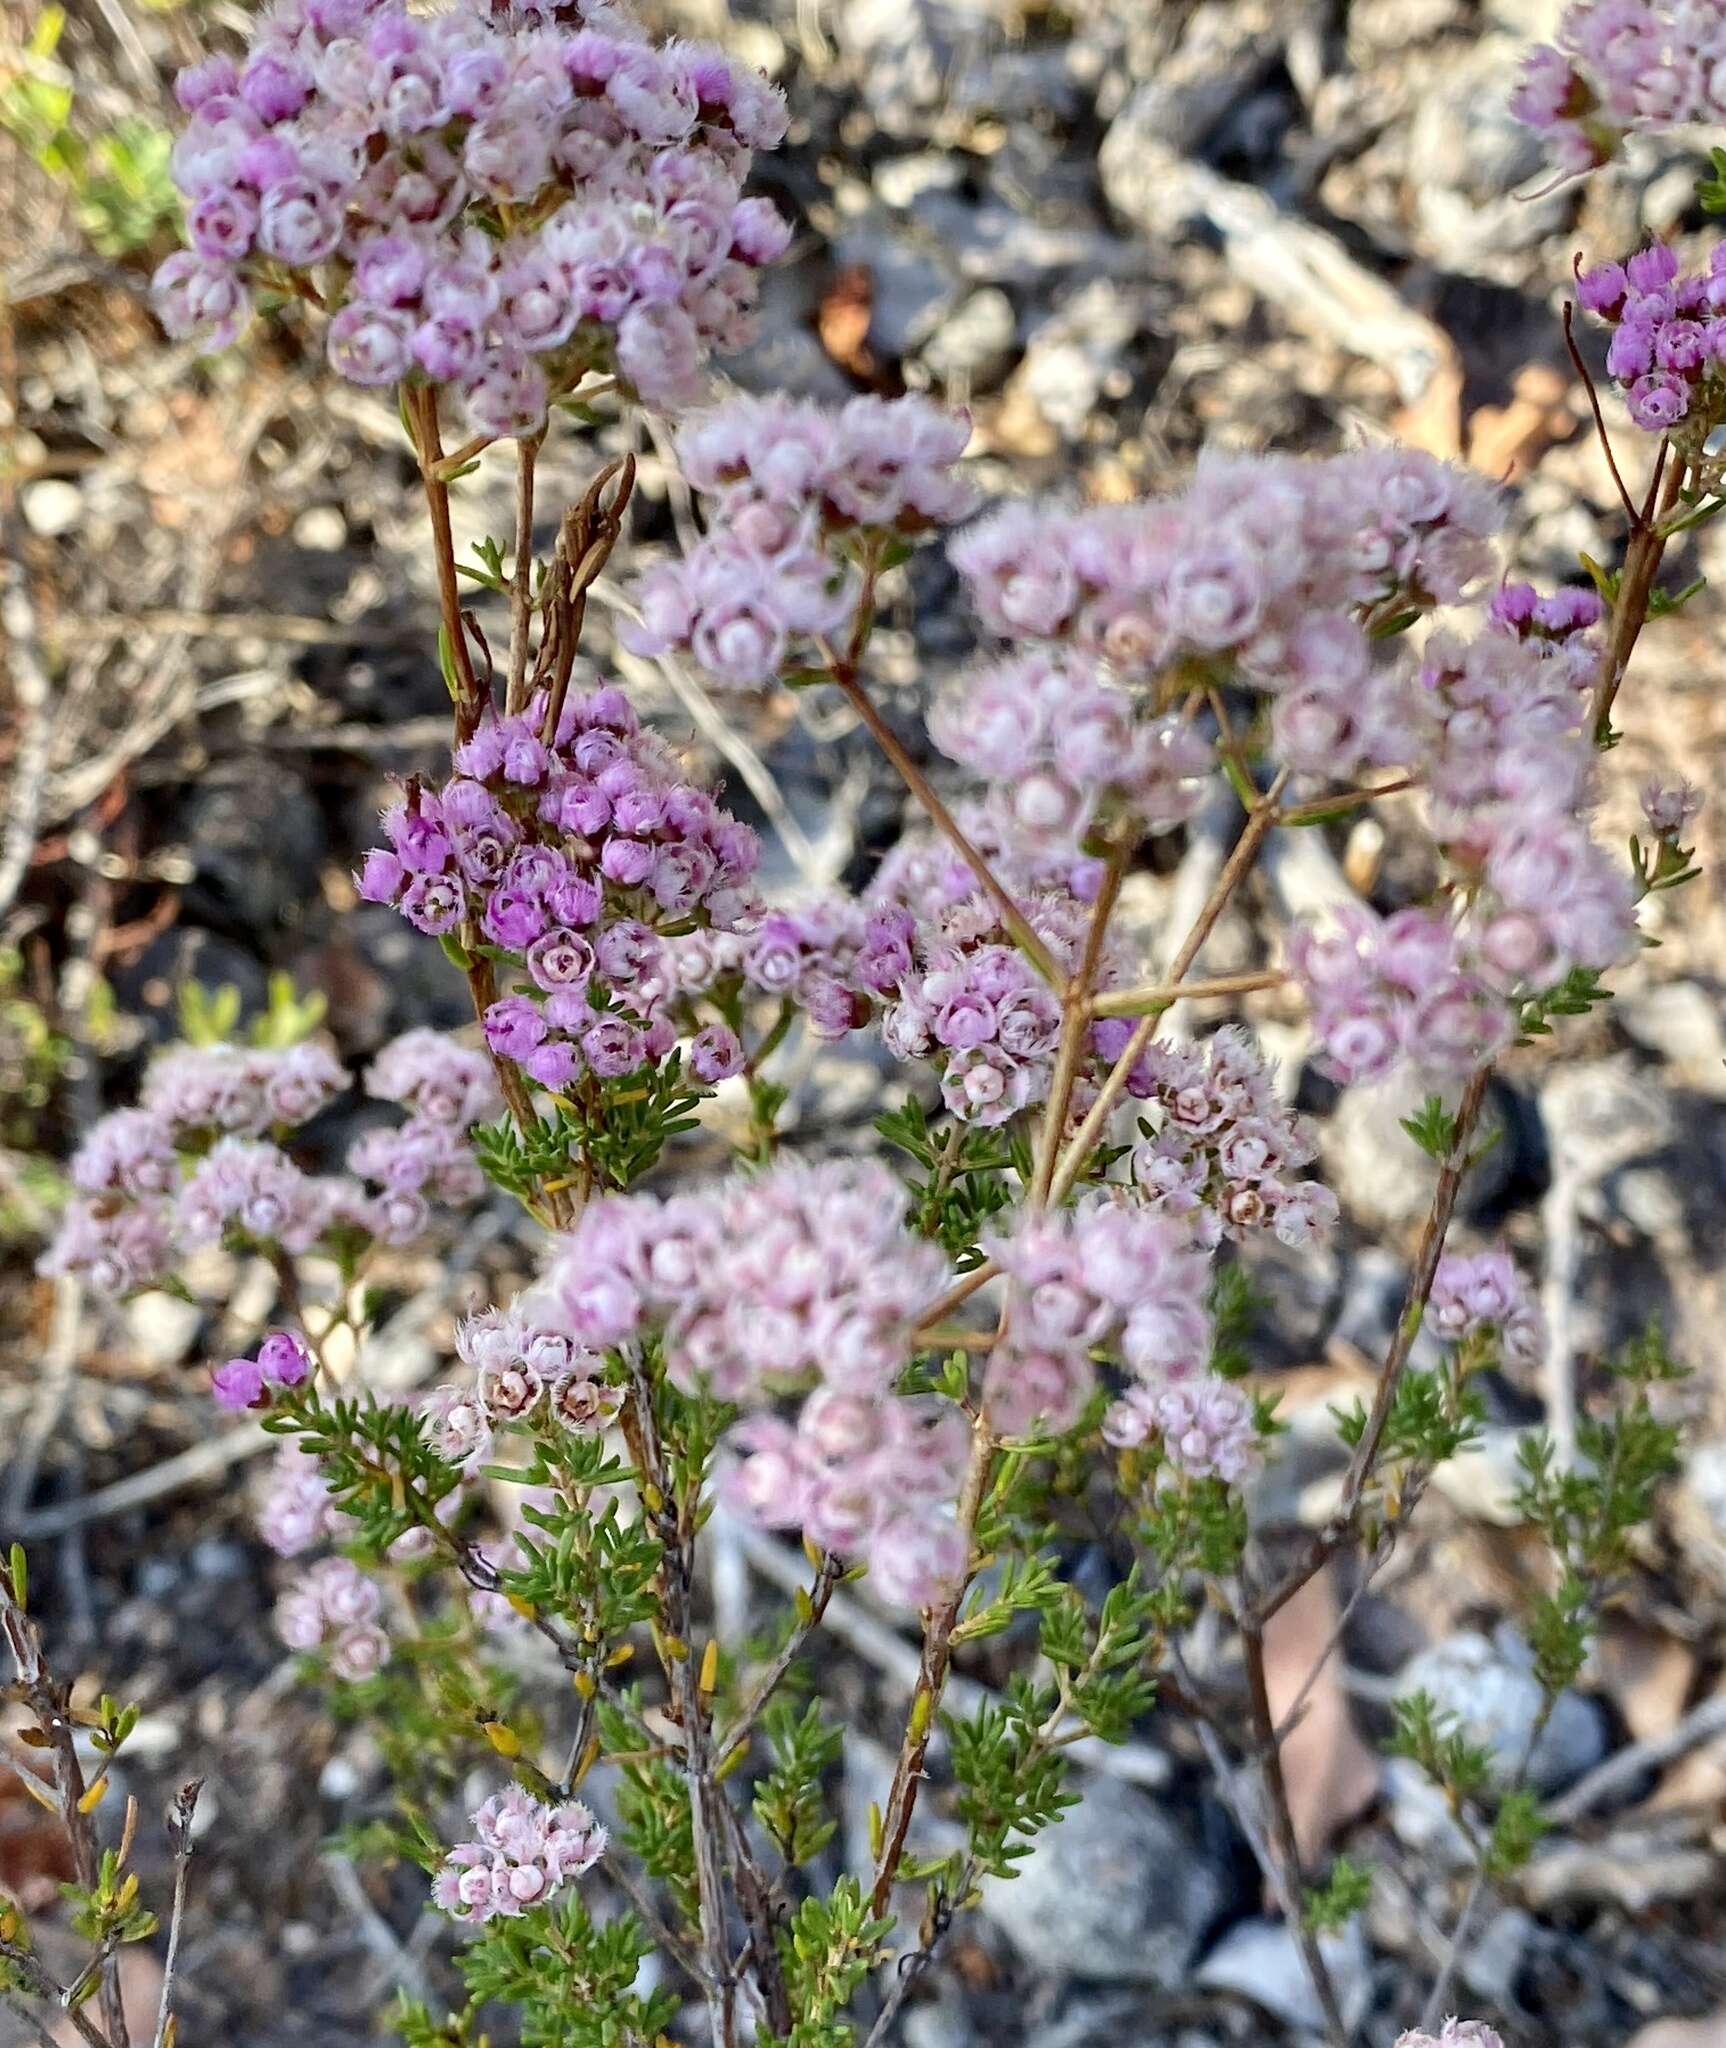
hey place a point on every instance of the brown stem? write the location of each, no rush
(918, 784)
(932, 1670)
(1075, 1027)
(49, 1703)
(180, 1842)
(1636, 583)
(1159, 996)
(521, 578)
(1234, 870)
(420, 402)
(1581, 369)
(1282, 1830)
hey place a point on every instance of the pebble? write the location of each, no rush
(51, 506)
(1114, 1891)
(321, 528)
(1261, 1959)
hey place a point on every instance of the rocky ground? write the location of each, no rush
(1118, 232)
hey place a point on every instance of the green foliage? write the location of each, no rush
(1011, 1778)
(1664, 865)
(375, 1461)
(1433, 1129)
(1590, 1511)
(1516, 1831)
(1234, 1303)
(964, 1182)
(653, 1814)
(1580, 991)
(788, 1799)
(572, 1981)
(117, 178)
(288, 1017)
(1434, 1741)
(1711, 192)
(1433, 1415)
(1329, 1907)
(616, 1132)
(827, 1950)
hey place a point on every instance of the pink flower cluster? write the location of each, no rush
(955, 988)
(805, 1272)
(335, 1608)
(1623, 67)
(497, 198)
(1454, 2033)
(1483, 1292)
(861, 1477)
(526, 1370)
(789, 487)
(1101, 1277)
(1509, 763)
(805, 1269)
(297, 1513)
(1060, 744)
(1668, 348)
(282, 1361)
(1226, 1153)
(1382, 989)
(200, 1161)
(567, 856)
(1206, 1427)
(523, 1853)
(1264, 569)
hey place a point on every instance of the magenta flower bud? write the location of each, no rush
(627, 862)
(1658, 401)
(240, 1384)
(561, 959)
(513, 1027)
(215, 78)
(715, 1054)
(380, 879)
(275, 88)
(1651, 268)
(284, 1360)
(554, 1064)
(1602, 289)
(612, 1046)
(432, 904)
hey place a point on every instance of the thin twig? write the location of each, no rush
(180, 1841)
(421, 407)
(521, 577)
(935, 1663)
(809, 1618)
(920, 787)
(1337, 1529)
(1280, 1818)
(1581, 369)
(1618, 1773)
(1154, 997)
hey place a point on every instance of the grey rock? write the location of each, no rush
(903, 180)
(1489, 1684)
(1114, 1891)
(975, 345)
(160, 1328)
(1601, 1114)
(1492, 1957)
(905, 52)
(1473, 157)
(1420, 1817)
(995, 244)
(912, 289)
(149, 987)
(257, 856)
(1372, 1295)
(1079, 356)
(1261, 1960)
(1378, 1171)
(1685, 1024)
